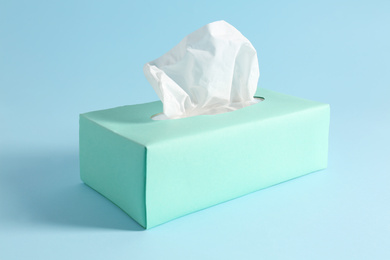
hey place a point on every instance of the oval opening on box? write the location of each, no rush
(161, 116)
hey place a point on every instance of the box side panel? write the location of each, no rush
(115, 167)
(189, 174)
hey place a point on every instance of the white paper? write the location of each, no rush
(212, 70)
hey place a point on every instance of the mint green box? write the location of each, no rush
(157, 171)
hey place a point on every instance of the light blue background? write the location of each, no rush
(62, 58)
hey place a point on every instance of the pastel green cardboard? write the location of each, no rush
(157, 171)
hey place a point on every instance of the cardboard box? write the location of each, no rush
(157, 171)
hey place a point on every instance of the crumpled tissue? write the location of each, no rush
(212, 70)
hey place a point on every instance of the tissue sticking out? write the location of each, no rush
(211, 71)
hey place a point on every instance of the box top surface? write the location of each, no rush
(134, 121)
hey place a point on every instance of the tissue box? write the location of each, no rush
(157, 171)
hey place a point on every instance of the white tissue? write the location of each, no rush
(212, 70)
